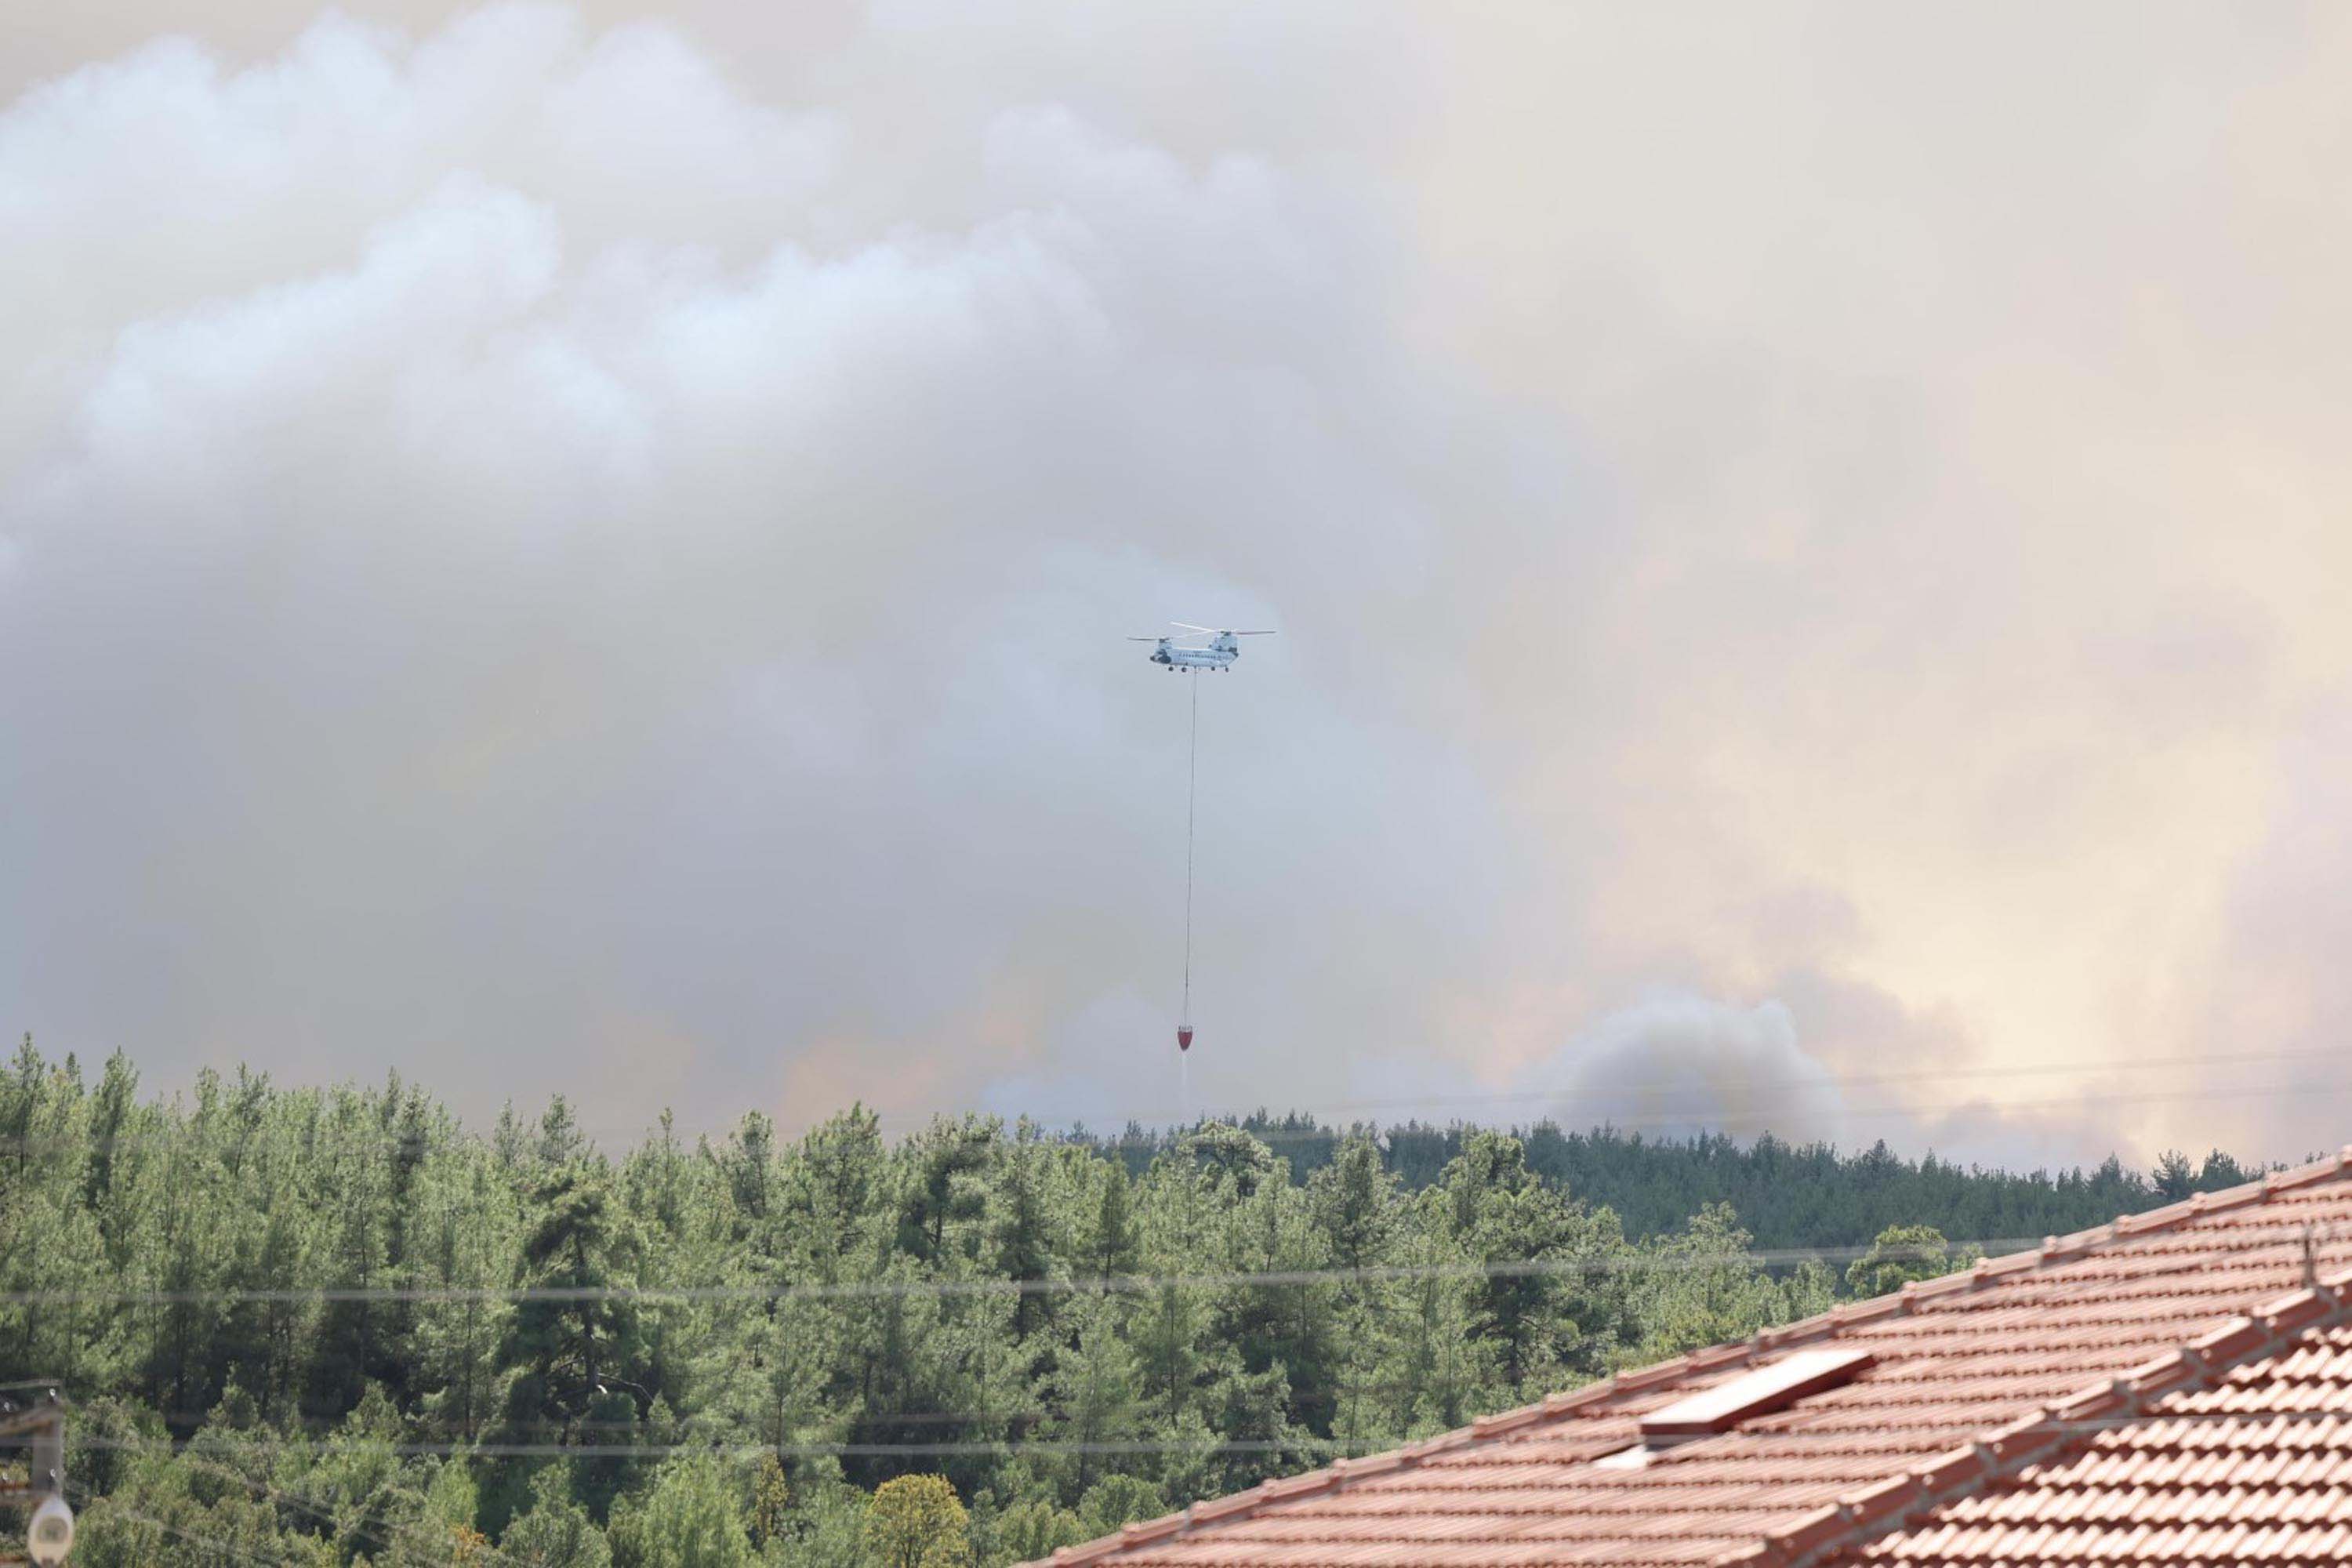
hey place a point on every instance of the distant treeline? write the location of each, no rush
(1786, 1195)
(325, 1327)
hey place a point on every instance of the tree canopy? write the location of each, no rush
(332, 1326)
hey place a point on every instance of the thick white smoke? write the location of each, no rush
(530, 571)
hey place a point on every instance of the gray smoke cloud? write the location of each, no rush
(521, 576)
(1679, 1065)
(569, 548)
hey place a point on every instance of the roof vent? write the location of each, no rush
(1758, 1393)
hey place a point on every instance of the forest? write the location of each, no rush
(333, 1326)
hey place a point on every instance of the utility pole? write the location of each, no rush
(39, 1427)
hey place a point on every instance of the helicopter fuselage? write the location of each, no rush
(1218, 655)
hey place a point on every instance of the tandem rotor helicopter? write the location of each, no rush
(1217, 654)
(1187, 652)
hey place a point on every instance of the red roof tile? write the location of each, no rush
(2252, 1465)
(2139, 1392)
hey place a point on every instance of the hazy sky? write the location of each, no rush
(584, 549)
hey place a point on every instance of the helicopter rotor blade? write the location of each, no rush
(1219, 631)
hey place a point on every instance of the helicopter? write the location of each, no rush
(1217, 654)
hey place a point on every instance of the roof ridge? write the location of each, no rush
(2053, 1250)
(2057, 1430)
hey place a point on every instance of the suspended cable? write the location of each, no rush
(360, 1529)
(2243, 1239)
(1192, 797)
(190, 1537)
(443, 1139)
(1712, 1117)
(1935, 1434)
(2137, 1067)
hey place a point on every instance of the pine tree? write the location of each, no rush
(692, 1518)
(1095, 1386)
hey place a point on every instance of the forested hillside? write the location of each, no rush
(330, 1327)
(1786, 1195)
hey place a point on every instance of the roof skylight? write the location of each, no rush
(1758, 1393)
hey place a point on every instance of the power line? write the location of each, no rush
(2295, 1236)
(360, 1530)
(192, 1538)
(2134, 1067)
(328, 1426)
(1564, 1092)
(444, 1137)
(786, 1450)
(1302, 1443)
(2248, 1238)
(1117, 1284)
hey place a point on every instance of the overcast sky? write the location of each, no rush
(584, 549)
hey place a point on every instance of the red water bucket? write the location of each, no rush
(1183, 1037)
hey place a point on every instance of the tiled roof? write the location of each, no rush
(1987, 1389)
(2252, 1467)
